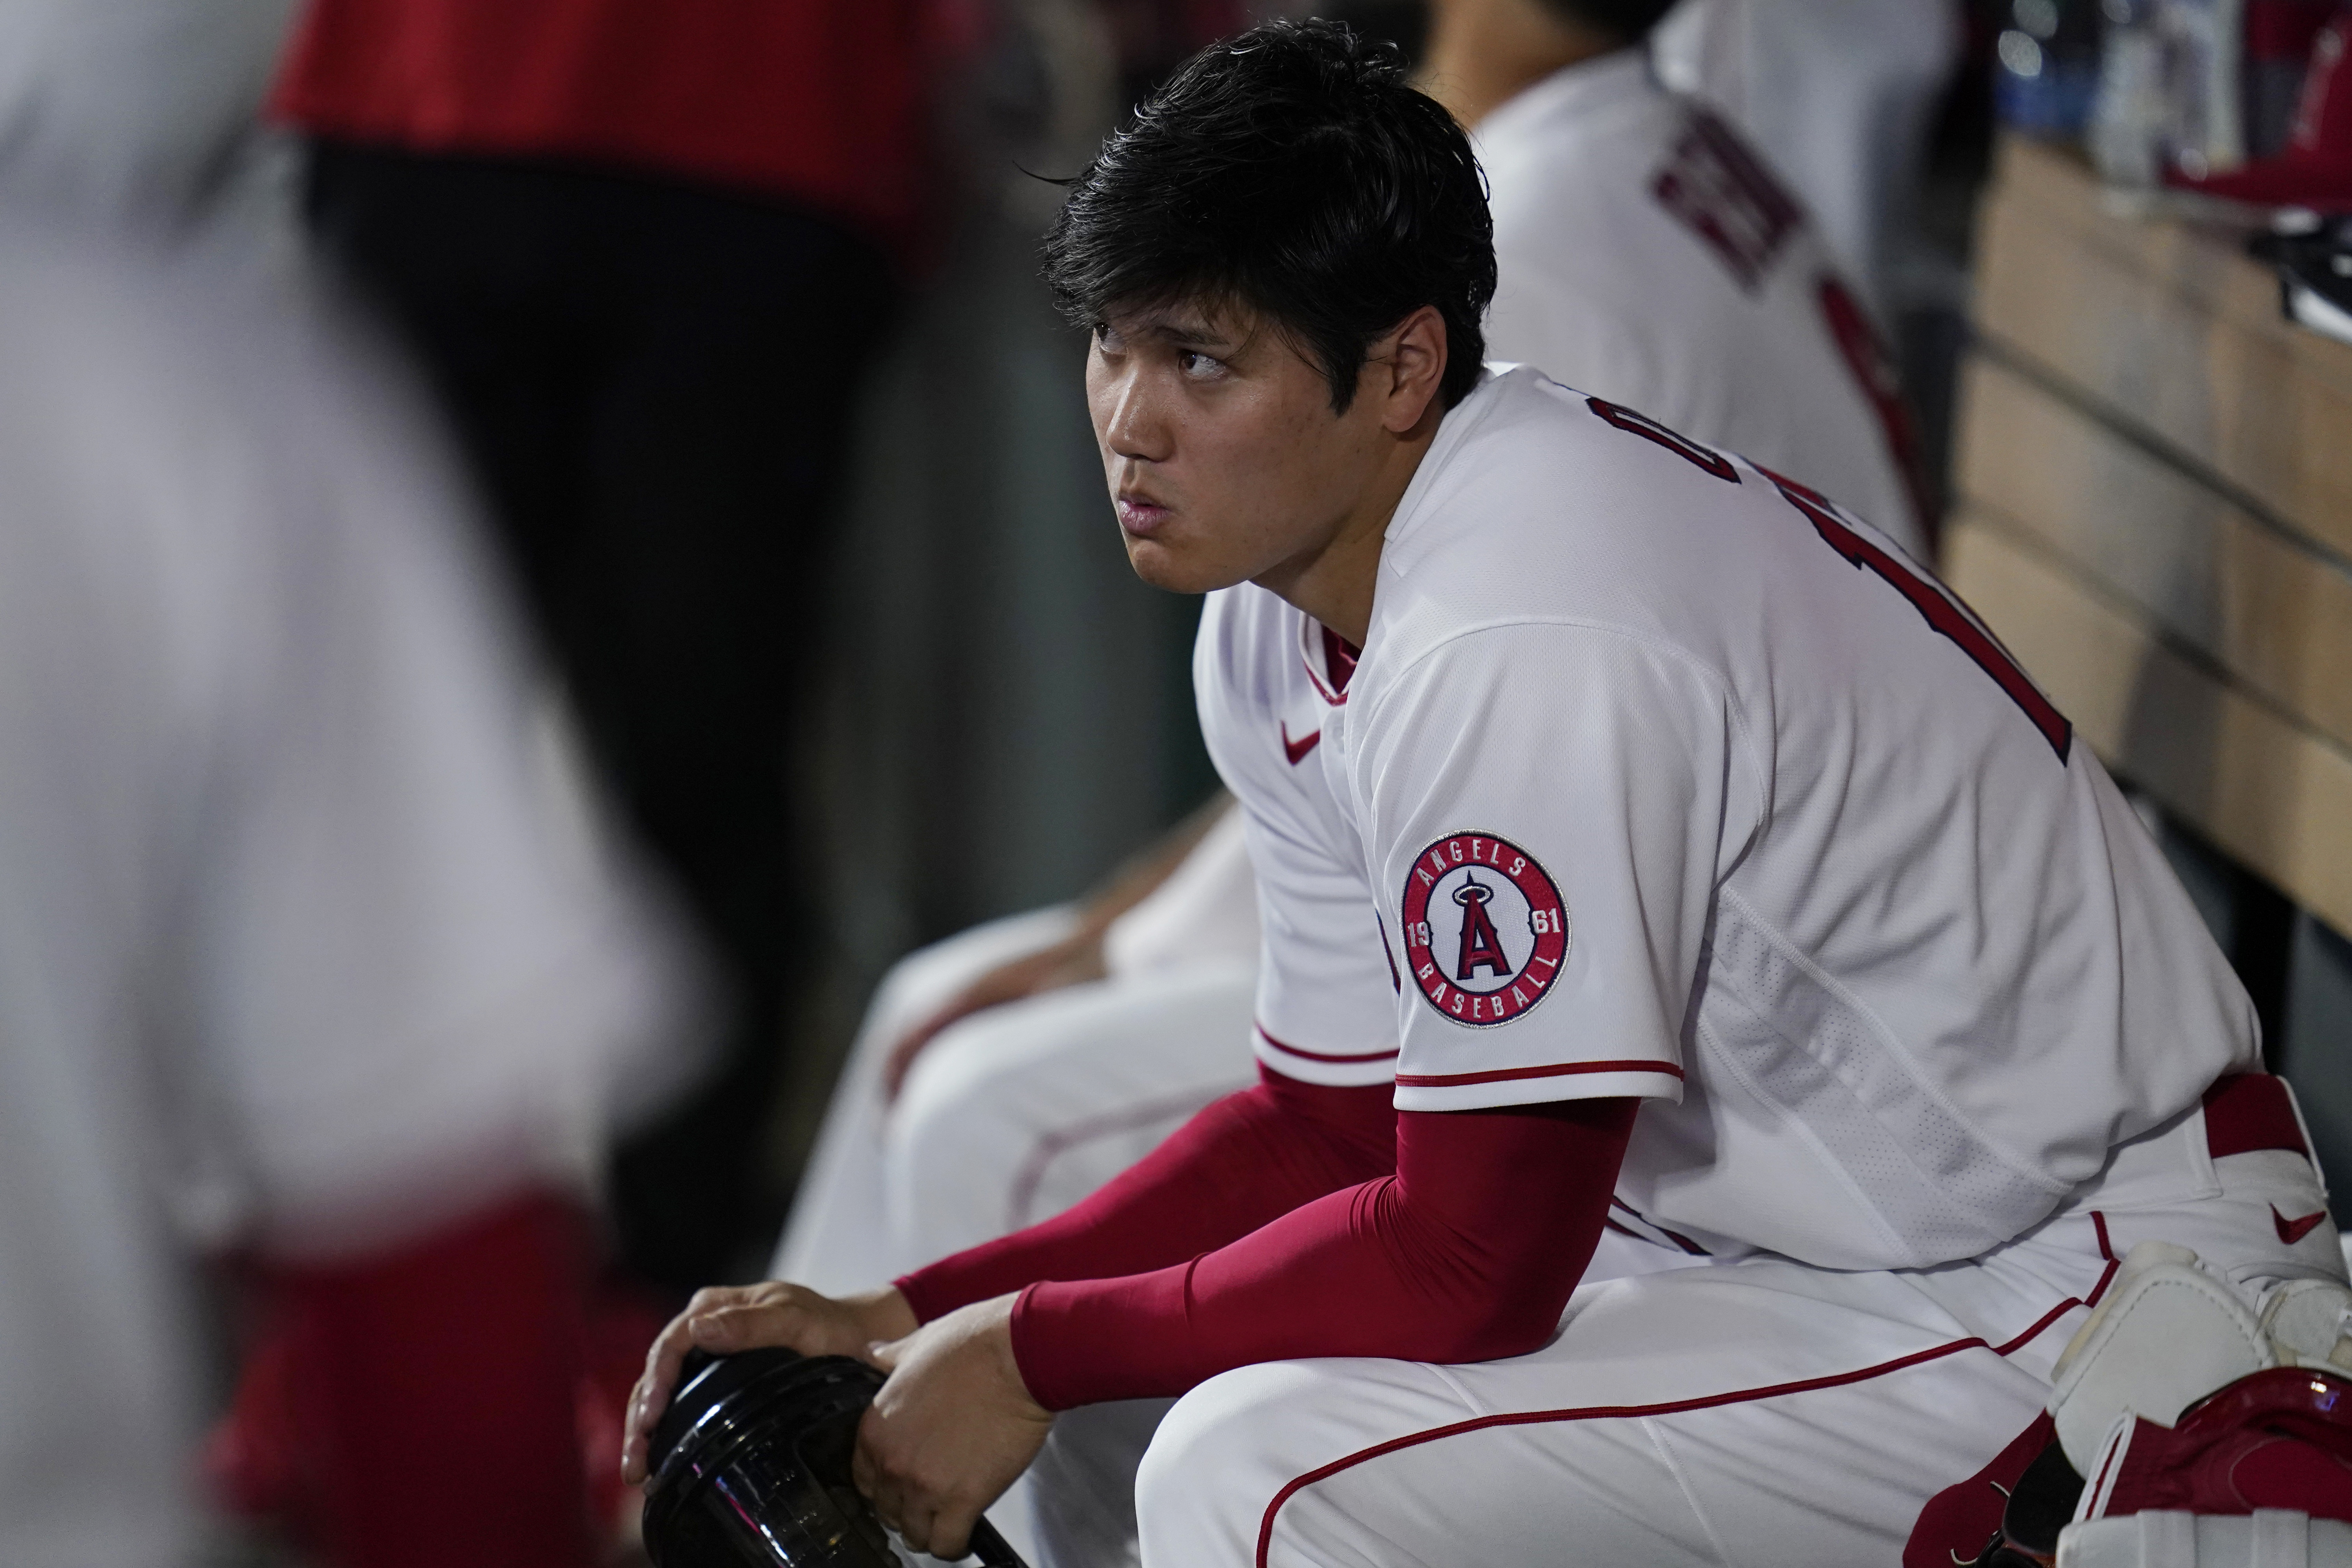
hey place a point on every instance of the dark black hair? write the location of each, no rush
(1291, 170)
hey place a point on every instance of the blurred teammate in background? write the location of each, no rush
(308, 952)
(1838, 94)
(1645, 252)
(643, 251)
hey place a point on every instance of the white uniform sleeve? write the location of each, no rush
(1549, 809)
(1325, 998)
(1325, 994)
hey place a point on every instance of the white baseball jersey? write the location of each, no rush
(1660, 778)
(1645, 251)
(300, 939)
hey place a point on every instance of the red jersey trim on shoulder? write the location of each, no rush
(1674, 441)
(1481, 950)
(1322, 1056)
(1507, 1075)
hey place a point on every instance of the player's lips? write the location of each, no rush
(1139, 514)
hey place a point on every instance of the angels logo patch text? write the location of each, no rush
(1485, 929)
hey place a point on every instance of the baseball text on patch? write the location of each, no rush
(1485, 929)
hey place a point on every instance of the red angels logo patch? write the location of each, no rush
(1485, 929)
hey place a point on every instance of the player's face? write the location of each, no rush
(1223, 457)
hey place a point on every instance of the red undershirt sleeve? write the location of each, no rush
(1467, 1253)
(1242, 1161)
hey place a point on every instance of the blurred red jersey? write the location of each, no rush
(817, 99)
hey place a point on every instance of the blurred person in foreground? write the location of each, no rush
(1645, 252)
(147, 113)
(644, 248)
(311, 957)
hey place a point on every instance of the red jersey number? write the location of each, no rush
(1933, 605)
(1938, 607)
(1649, 429)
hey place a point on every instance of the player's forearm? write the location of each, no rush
(1468, 1254)
(1246, 1160)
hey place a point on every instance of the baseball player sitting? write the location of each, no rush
(1645, 252)
(1677, 854)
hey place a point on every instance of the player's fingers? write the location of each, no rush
(919, 1528)
(663, 1357)
(873, 1484)
(670, 1346)
(948, 1529)
(813, 1326)
(723, 1331)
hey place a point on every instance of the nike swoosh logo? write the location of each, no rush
(1296, 749)
(2293, 1230)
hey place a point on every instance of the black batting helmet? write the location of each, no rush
(749, 1468)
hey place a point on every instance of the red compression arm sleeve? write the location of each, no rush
(1249, 1158)
(434, 1388)
(1467, 1253)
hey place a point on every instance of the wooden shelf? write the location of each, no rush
(2265, 789)
(2154, 473)
(2172, 328)
(2209, 574)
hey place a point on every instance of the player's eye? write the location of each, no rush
(1106, 339)
(1198, 366)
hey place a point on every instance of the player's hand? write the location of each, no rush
(732, 1318)
(1071, 961)
(951, 1429)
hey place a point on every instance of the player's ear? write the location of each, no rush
(1414, 360)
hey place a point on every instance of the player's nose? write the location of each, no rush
(1136, 429)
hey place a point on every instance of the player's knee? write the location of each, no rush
(1215, 1463)
(914, 988)
(953, 1141)
(954, 1107)
(929, 1143)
